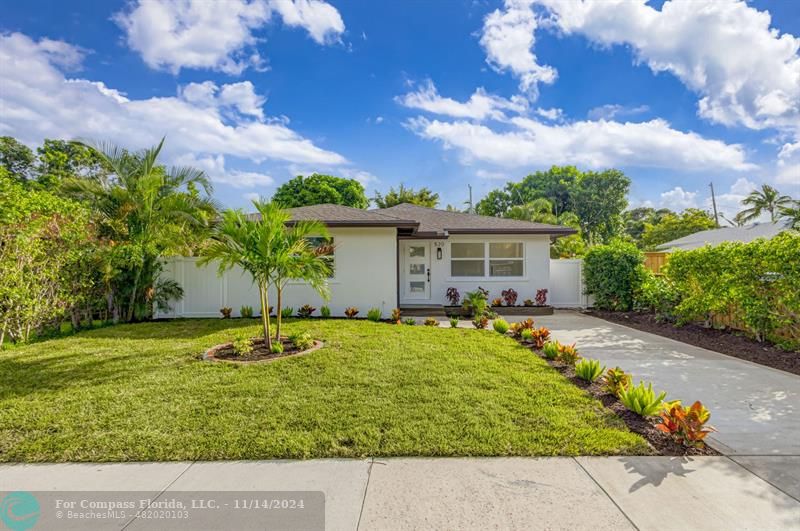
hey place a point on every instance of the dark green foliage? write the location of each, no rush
(318, 189)
(16, 158)
(422, 197)
(613, 274)
(673, 226)
(657, 294)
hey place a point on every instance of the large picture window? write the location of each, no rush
(487, 259)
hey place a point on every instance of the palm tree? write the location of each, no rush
(792, 214)
(766, 199)
(145, 211)
(297, 259)
(540, 210)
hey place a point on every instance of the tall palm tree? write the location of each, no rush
(766, 199)
(145, 211)
(792, 214)
(298, 260)
(540, 210)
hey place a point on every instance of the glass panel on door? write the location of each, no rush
(417, 285)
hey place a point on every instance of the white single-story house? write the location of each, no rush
(405, 256)
(743, 234)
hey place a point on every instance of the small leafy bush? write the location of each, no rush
(374, 315)
(410, 321)
(453, 322)
(302, 340)
(430, 321)
(351, 312)
(325, 312)
(226, 312)
(541, 297)
(568, 354)
(396, 315)
(551, 349)
(527, 302)
(517, 328)
(539, 336)
(509, 296)
(453, 296)
(277, 347)
(589, 370)
(497, 302)
(613, 273)
(526, 335)
(242, 346)
(500, 326)
(686, 425)
(287, 312)
(480, 322)
(616, 380)
(246, 312)
(642, 400)
(658, 295)
(475, 302)
(305, 311)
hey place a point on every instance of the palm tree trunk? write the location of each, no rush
(133, 293)
(278, 313)
(265, 314)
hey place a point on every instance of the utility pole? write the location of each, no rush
(714, 203)
(471, 209)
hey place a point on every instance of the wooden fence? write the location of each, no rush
(654, 261)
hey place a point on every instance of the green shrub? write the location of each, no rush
(616, 380)
(246, 312)
(374, 315)
(325, 312)
(526, 334)
(657, 294)
(242, 346)
(642, 400)
(568, 354)
(757, 282)
(475, 302)
(589, 370)
(287, 312)
(550, 349)
(453, 322)
(277, 347)
(500, 326)
(613, 273)
(302, 340)
(410, 321)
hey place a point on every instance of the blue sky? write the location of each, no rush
(437, 94)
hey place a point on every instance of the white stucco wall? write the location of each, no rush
(366, 277)
(536, 270)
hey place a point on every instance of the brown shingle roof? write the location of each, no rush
(436, 222)
(344, 216)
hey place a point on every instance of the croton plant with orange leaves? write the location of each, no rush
(686, 425)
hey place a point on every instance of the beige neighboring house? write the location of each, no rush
(405, 256)
(744, 234)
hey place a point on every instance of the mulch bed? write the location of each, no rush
(662, 443)
(727, 342)
(260, 352)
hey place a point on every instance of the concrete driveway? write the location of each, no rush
(755, 409)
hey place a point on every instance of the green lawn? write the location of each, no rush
(140, 392)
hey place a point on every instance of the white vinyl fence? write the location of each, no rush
(566, 284)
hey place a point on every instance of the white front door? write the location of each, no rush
(416, 270)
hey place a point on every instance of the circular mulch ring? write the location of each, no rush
(260, 354)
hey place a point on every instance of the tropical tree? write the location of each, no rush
(422, 197)
(766, 199)
(145, 212)
(16, 158)
(317, 189)
(540, 210)
(792, 214)
(598, 199)
(673, 226)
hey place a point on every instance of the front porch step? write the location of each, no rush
(423, 310)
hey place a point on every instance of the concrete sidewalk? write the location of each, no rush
(477, 493)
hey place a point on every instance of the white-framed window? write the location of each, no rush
(487, 259)
(326, 243)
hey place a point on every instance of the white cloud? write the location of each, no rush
(679, 199)
(491, 175)
(744, 71)
(730, 203)
(592, 144)
(508, 38)
(175, 34)
(379, 119)
(553, 114)
(214, 167)
(480, 106)
(611, 111)
(38, 102)
(252, 196)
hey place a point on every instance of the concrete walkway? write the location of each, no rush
(658, 493)
(755, 409)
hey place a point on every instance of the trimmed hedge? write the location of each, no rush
(613, 274)
(756, 282)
